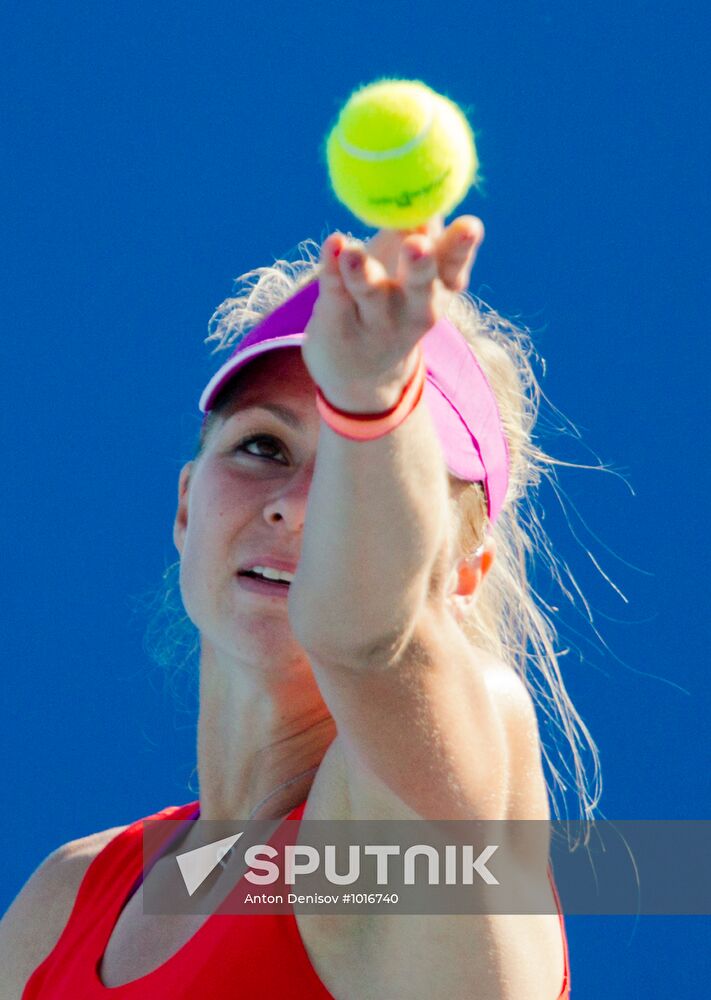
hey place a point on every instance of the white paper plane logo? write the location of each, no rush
(197, 864)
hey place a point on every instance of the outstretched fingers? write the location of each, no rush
(349, 264)
(331, 250)
(419, 275)
(457, 250)
(430, 265)
(367, 282)
(363, 274)
(334, 298)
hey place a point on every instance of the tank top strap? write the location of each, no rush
(106, 876)
(565, 990)
(108, 882)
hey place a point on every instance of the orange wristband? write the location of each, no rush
(368, 426)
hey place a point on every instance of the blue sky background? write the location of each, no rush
(152, 153)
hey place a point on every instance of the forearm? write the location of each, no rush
(376, 522)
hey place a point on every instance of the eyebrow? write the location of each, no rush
(283, 412)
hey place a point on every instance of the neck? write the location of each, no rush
(261, 737)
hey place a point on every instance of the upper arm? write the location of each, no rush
(443, 732)
(421, 734)
(32, 925)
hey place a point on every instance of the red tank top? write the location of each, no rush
(230, 954)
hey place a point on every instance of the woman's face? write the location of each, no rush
(245, 499)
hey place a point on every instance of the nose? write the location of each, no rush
(289, 506)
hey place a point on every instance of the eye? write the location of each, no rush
(272, 443)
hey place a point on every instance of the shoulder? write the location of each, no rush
(514, 704)
(32, 925)
(511, 697)
(527, 795)
(83, 850)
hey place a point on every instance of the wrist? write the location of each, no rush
(369, 396)
(369, 424)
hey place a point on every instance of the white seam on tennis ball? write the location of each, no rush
(377, 155)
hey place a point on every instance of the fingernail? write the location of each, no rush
(353, 260)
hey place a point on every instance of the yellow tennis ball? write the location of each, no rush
(400, 153)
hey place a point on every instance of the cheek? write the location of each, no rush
(218, 535)
(198, 564)
(203, 545)
(188, 592)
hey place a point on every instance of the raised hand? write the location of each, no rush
(377, 301)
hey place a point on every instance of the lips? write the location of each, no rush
(275, 562)
(259, 585)
(258, 576)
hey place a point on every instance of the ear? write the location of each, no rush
(181, 518)
(471, 570)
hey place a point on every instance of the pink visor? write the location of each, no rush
(460, 400)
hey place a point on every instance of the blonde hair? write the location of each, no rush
(508, 619)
